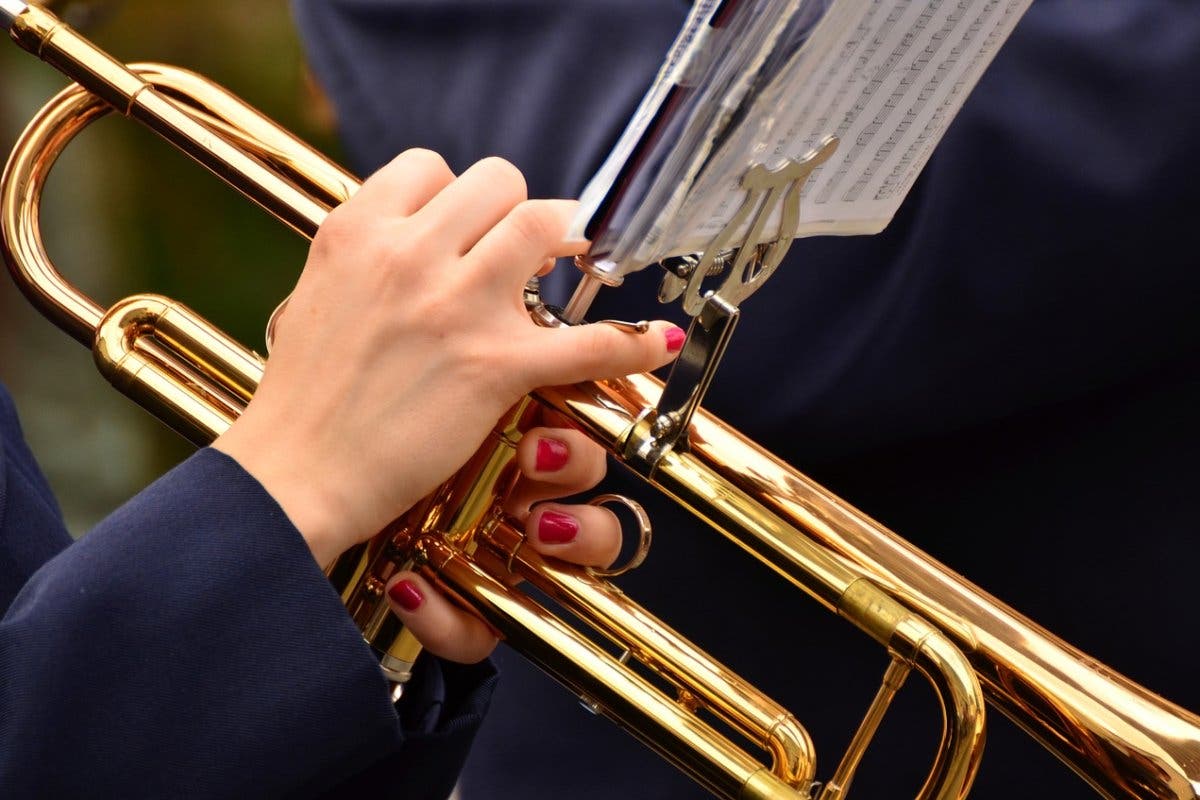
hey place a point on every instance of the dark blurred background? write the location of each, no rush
(125, 213)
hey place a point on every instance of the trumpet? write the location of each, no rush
(1121, 738)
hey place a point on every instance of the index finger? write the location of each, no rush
(531, 233)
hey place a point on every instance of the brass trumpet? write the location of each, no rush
(1120, 737)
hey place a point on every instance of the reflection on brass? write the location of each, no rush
(641, 326)
(1124, 740)
(645, 534)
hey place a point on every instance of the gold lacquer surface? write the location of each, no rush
(1119, 736)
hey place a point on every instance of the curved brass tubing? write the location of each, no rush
(1120, 737)
(197, 380)
(1117, 735)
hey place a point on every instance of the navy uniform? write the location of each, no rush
(1007, 375)
(189, 646)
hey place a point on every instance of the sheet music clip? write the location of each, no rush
(747, 267)
(714, 313)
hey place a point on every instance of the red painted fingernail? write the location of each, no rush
(407, 595)
(551, 455)
(675, 337)
(557, 528)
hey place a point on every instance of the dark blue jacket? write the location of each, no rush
(189, 646)
(1007, 375)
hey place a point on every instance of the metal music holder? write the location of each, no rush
(714, 312)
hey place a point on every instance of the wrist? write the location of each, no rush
(311, 504)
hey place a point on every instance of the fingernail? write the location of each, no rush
(675, 337)
(407, 595)
(551, 455)
(557, 528)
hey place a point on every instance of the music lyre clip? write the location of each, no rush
(746, 267)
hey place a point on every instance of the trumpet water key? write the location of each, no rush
(630, 667)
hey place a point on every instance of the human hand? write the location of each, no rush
(554, 462)
(405, 340)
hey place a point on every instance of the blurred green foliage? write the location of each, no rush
(126, 213)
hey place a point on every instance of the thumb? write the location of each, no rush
(597, 351)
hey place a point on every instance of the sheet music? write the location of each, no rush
(885, 76)
(690, 42)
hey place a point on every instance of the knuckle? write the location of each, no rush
(536, 227)
(336, 232)
(338, 221)
(422, 159)
(505, 174)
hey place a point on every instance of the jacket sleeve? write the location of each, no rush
(189, 646)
